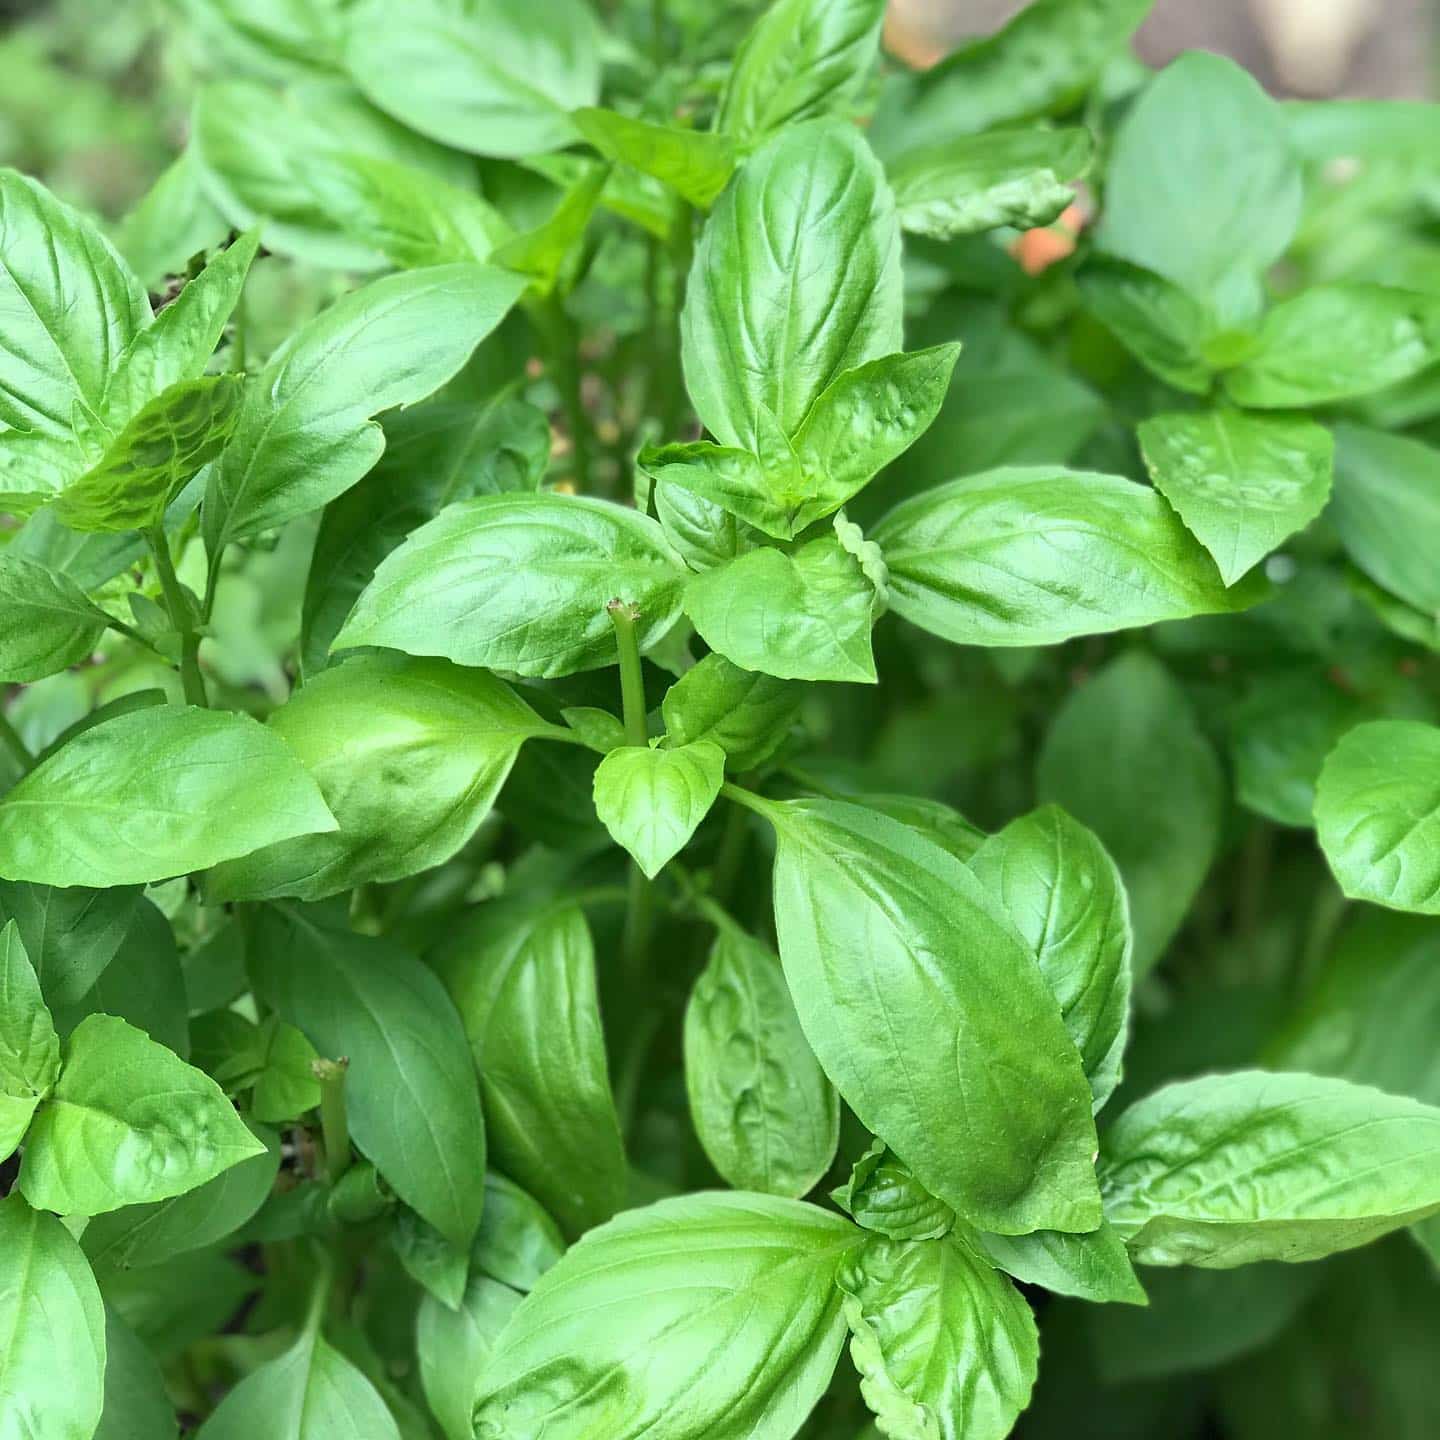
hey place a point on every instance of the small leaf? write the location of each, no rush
(883, 1196)
(747, 714)
(517, 1241)
(695, 164)
(1093, 1266)
(49, 624)
(29, 1046)
(652, 801)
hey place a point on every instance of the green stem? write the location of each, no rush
(562, 346)
(182, 617)
(731, 855)
(319, 1294)
(10, 739)
(334, 1123)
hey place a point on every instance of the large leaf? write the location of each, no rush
(652, 801)
(1062, 892)
(304, 434)
(1377, 812)
(1241, 483)
(521, 582)
(766, 1115)
(409, 755)
(1033, 556)
(1230, 1169)
(747, 714)
(711, 1315)
(912, 987)
(410, 1091)
(796, 279)
(1125, 757)
(29, 1046)
(49, 624)
(52, 1330)
(802, 58)
(70, 934)
(945, 1345)
(152, 794)
(523, 977)
(128, 1122)
(500, 75)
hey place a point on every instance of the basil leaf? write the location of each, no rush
(152, 794)
(521, 582)
(410, 1092)
(52, 1328)
(543, 253)
(50, 625)
(692, 163)
(699, 529)
(1241, 483)
(310, 1392)
(882, 1195)
(1203, 184)
(304, 433)
(1230, 1169)
(652, 801)
(800, 616)
(807, 231)
(127, 1123)
(1386, 510)
(802, 58)
(1093, 1267)
(1333, 342)
(137, 1406)
(1125, 757)
(70, 934)
(454, 1344)
(429, 1259)
(933, 820)
(160, 450)
(605, 1341)
(523, 978)
(969, 185)
(71, 307)
(1062, 892)
(29, 1046)
(409, 755)
(747, 714)
(1377, 814)
(911, 986)
(736, 482)
(945, 1345)
(1163, 326)
(286, 1086)
(1033, 556)
(517, 1242)
(501, 75)
(766, 1116)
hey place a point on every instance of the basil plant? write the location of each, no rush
(653, 786)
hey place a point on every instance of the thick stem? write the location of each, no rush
(334, 1124)
(11, 741)
(731, 855)
(182, 617)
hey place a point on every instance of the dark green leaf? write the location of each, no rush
(70, 934)
(136, 1404)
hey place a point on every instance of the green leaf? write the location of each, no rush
(517, 1242)
(1242, 484)
(703, 533)
(1125, 757)
(127, 1123)
(620, 1339)
(410, 1092)
(1337, 341)
(882, 1195)
(173, 221)
(935, 821)
(521, 582)
(945, 1345)
(1093, 1266)
(523, 977)
(160, 450)
(1377, 814)
(652, 801)
(151, 1234)
(70, 934)
(409, 755)
(454, 1344)
(1033, 556)
(430, 1260)
(286, 1086)
(802, 58)
(1230, 1169)
(152, 794)
(969, 185)
(544, 253)
(50, 625)
(1386, 510)
(52, 1329)
(766, 1116)
(29, 1046)
(71, 307)
(693, 163)
(304, 433)
(800, 616)
(807, 232)
(311, 1392)
(136, 1404)
(912, 987)
(1161, 325)
(737, 482)
(1062, 892)
(747, 714)
(1203, 184)
(500, 75)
